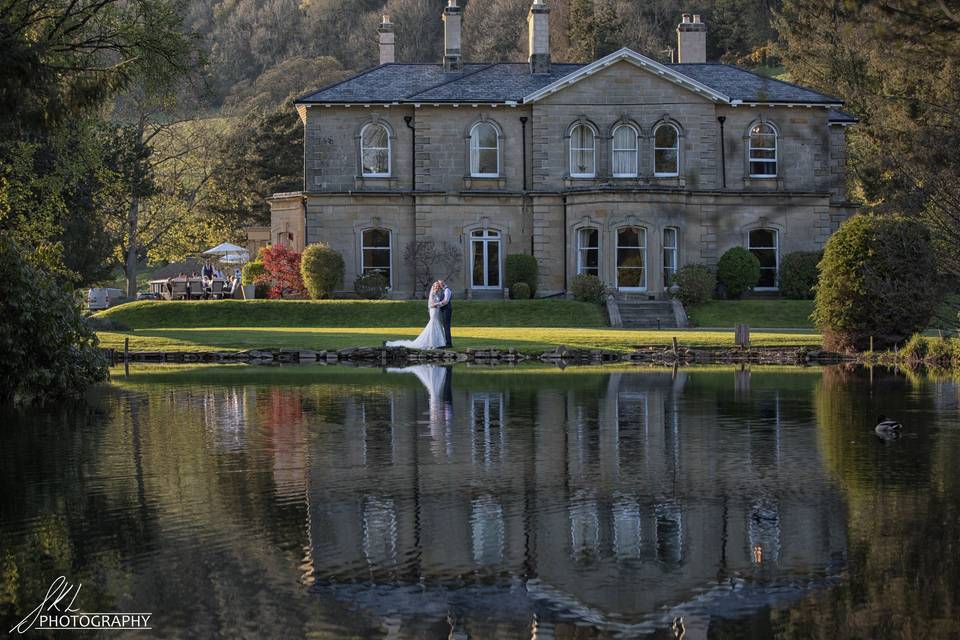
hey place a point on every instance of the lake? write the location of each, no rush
(471, 502)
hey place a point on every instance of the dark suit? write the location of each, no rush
(446, 315)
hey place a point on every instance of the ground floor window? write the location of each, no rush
(588, 252)
(765, 244)
(632, 258)
(669, 255)
(485, 259)
(376, 253)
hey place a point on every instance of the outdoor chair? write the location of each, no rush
(179, 290)
(216, 289)
(196, 288)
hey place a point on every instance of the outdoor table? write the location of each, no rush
(195, 286)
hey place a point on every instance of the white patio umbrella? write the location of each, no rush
(228, 253)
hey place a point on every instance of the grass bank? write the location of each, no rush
(787, 314)
(352, 313)
(525, 339)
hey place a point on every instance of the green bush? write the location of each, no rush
(371, 286)
(696, 283)
(941, 351)
(876, 279)
(46, 348)
(251, 271)
(522, 268)
(520, 291)
(588, 288)
(738, 271)
(915, 350)
(322, 270)
(798, 274)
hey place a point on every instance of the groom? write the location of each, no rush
(446, 311)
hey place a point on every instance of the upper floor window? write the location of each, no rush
(484, 150)
(375, 151)
(666, 151)
(763, 151)
(624, 151)
(583, 151)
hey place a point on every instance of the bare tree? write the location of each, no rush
(431, 262)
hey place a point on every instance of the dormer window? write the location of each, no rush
(375, 151)
(763, 151)
(583, 151)
(625, 152)
(484, 151)
(666, 151)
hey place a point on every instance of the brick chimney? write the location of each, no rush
(691, 39)
(387, 41)
(538, 36)
(451, 36)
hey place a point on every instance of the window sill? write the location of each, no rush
(484, 182)
(379, 182)
(773, 183)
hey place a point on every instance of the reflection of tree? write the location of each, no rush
(903, 516)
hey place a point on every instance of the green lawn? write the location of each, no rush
(787, 314)
(352, 313)
(527, 339)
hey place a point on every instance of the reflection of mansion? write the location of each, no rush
(625, 168)
(611, 503)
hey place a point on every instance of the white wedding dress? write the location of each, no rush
(432, 336)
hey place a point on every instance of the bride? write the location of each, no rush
(432, 336)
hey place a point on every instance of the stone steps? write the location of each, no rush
(647, 315)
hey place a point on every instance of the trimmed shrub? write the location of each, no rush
(371, 286)
(738, 271)
(588, 288)
(876, 279)
(522, 268)
(696, 282)
(322, 270)
(798, 274)
(47, 350)
(251, 271)
(520, 291)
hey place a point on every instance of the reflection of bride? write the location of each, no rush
(432, 336)
(438, 381)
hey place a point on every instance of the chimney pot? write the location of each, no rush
(387, 41)
(538, 37)
(691, 39)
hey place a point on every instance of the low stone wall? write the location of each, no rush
(560, 356)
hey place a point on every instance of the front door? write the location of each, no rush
(485, 259)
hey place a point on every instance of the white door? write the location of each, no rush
(485, 259)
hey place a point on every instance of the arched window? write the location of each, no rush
(588, 251)
(375, 151)
(376, 253)
(583, 152)
(765, 244)
(666, 151)
(484, 150)
(632, 258)
(624, 151)
(763, 151)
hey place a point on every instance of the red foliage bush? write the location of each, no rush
(283, 271)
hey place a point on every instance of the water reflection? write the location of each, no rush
(447, 502)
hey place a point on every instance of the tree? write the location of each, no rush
(430, 263)
(283, 271)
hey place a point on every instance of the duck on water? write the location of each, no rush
(887, 429)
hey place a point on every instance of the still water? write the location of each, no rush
(434, 502)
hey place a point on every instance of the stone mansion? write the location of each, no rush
(625, 168)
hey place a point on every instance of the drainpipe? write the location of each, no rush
(566, 249)
(413, 152)
(523, 135)
(723, 152)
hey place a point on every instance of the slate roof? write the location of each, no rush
(511, 81)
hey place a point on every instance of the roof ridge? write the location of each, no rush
(440, 84)
(340, 82)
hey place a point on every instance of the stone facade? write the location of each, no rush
(533, 205)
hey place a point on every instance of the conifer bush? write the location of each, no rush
(322, 270)
(738, 271)
(522, 268)
(877, 278)
(798, 274)
(520, 291)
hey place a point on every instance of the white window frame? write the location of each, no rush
(363, 148)
(485, 239)
(776, 249)
(675, 148)
(475, 149)
(675, 248)
(581, 250)
(776, 150)
(592, 149)
(646, 262)
(388, 249)
(635, 149)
